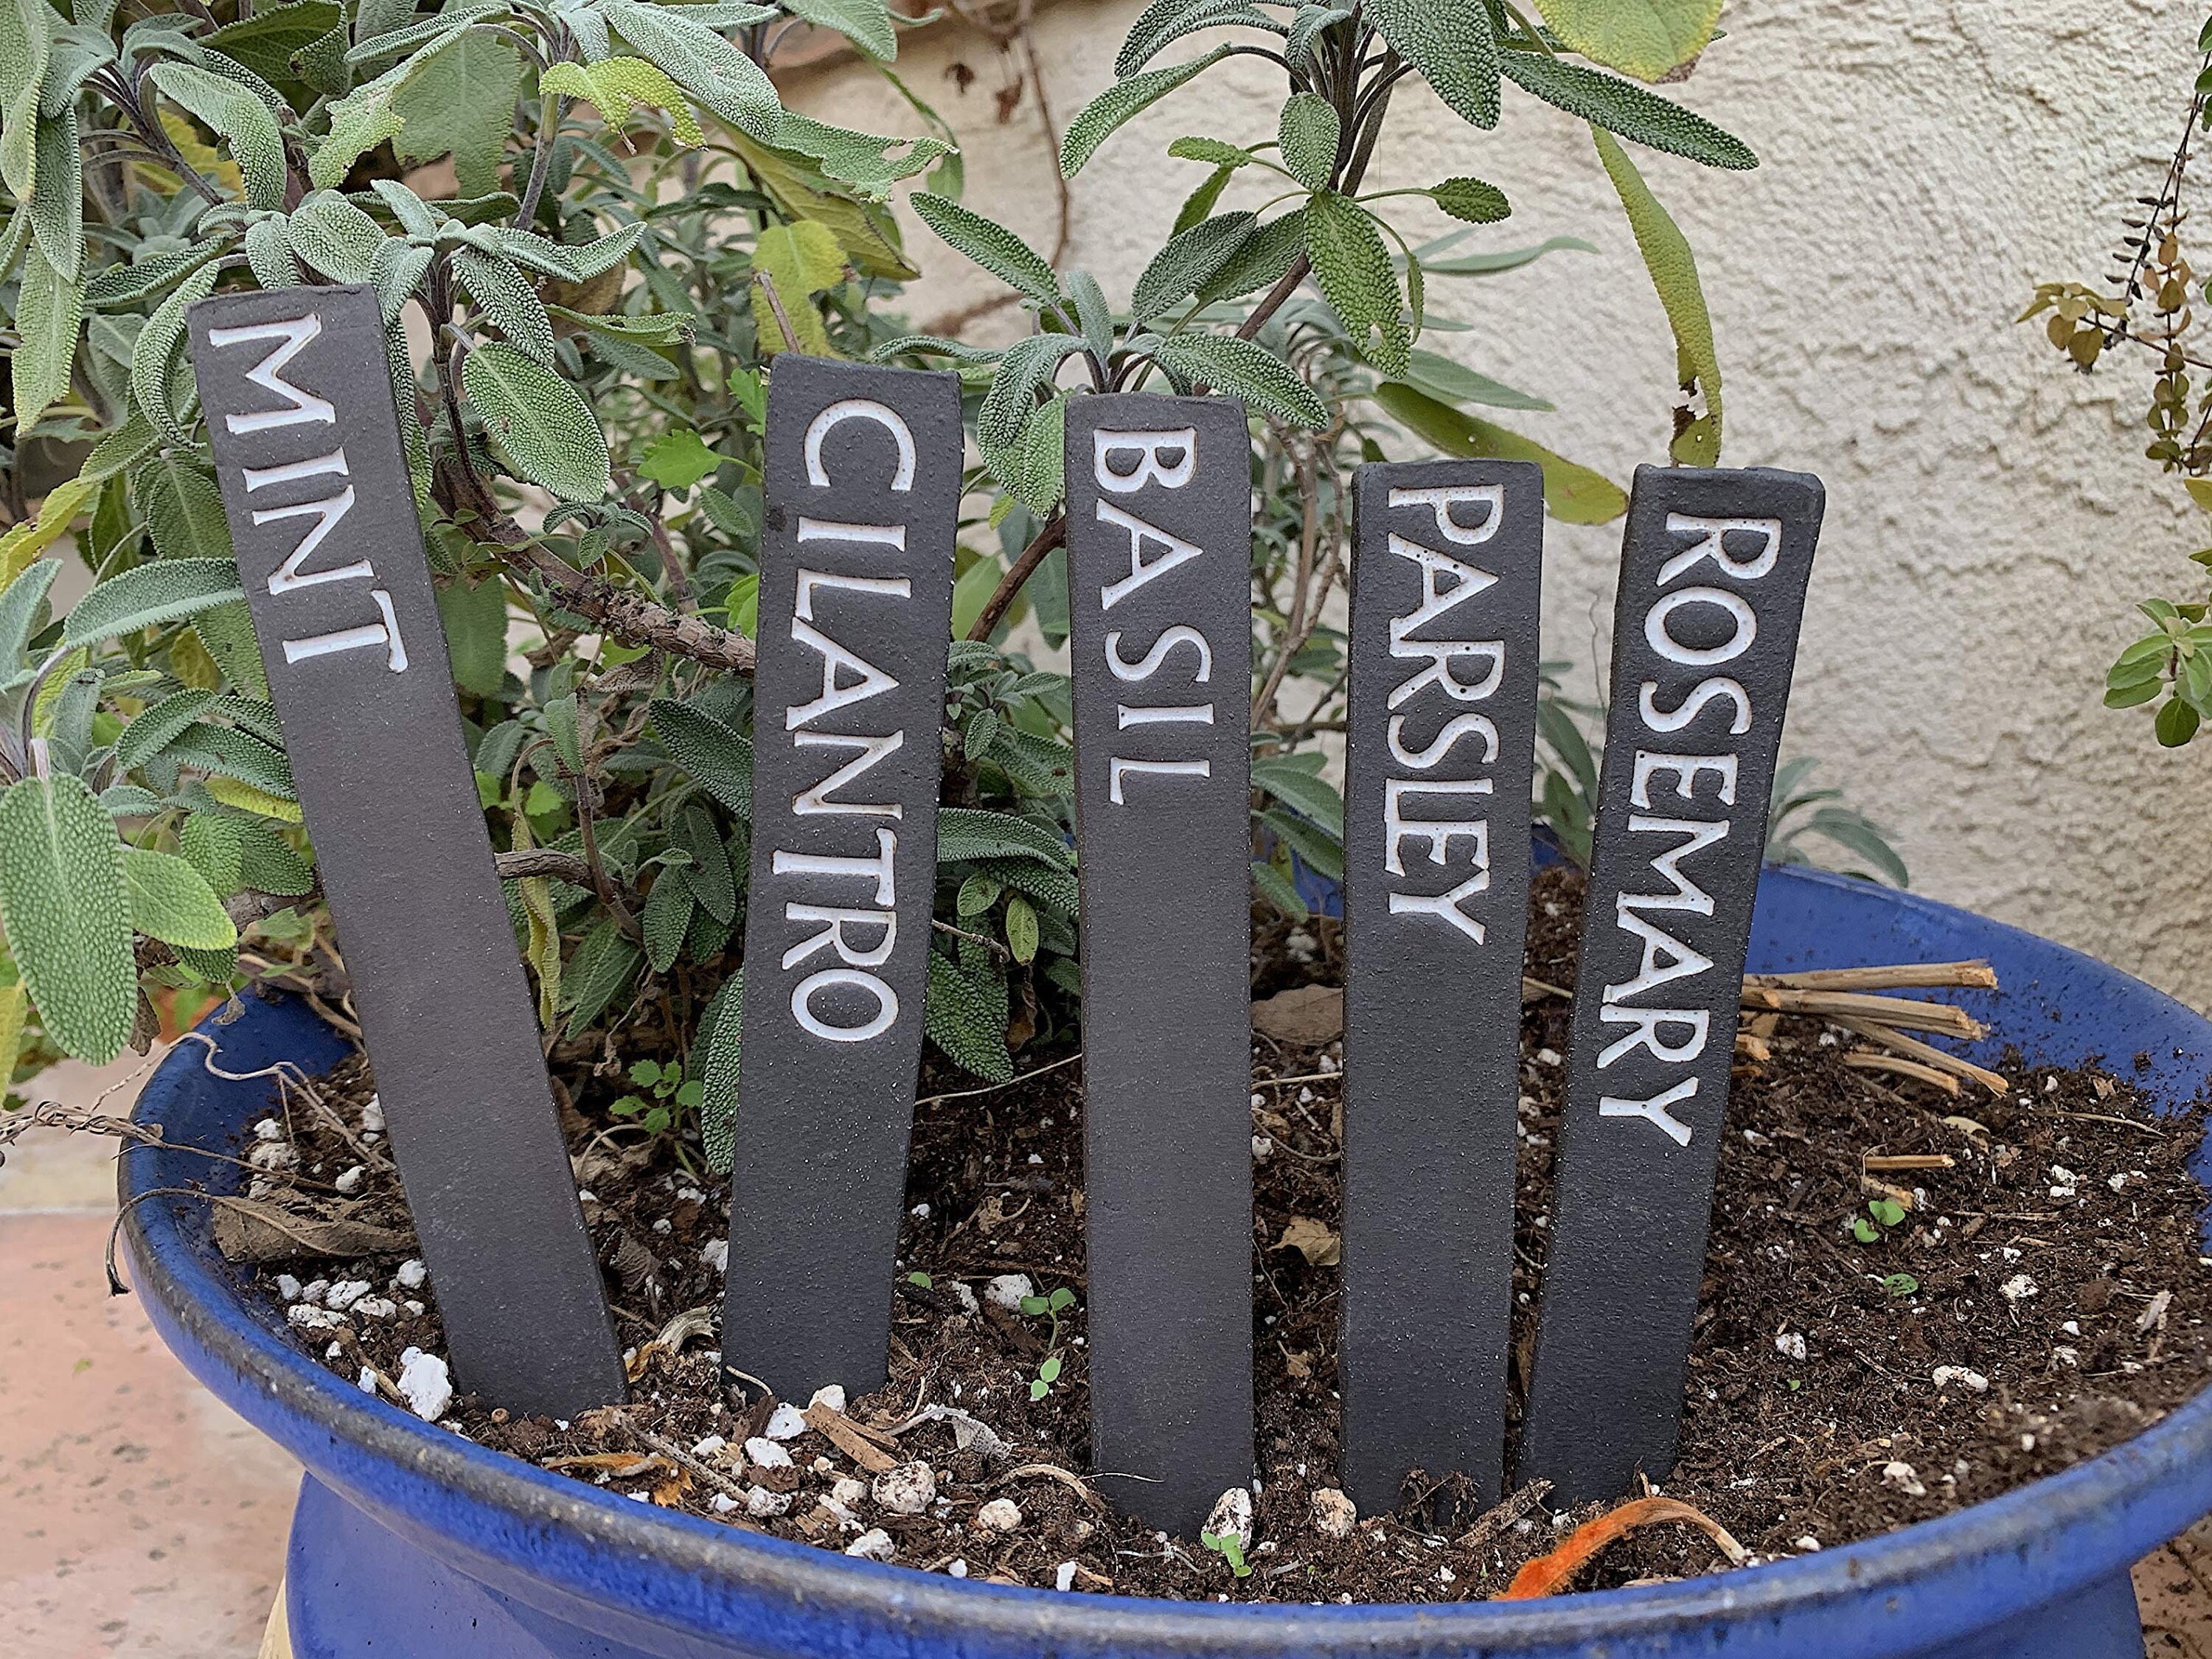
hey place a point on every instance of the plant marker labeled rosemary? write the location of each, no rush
(1440, 747)
(862, 478)
(1159, 535)
(1712, 591)
(298, 392)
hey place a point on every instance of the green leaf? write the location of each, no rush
(1191, 259)
(702, 62)
(708, 751)
(157, 727)
(1452, 382)
(49, 316)
(120, 285)
(27, 31)
(21, 609)
(67, 913)
(614, 86)
(240, 120)
(475, 617)
(1248, 370)
(268, 864)
(1035, 470)
(1322, 852)
(181, 507)
(1277, 889)
(678, 459)
(539, 422)
(1119, 102)
(335, 237)
(510, 303)
(991, 245)
(1673, 268)
(226, 631)
(602, 969)
(461, 103)
(719, 1069)
(215, 844)
(149, 595)
(1054, 888)
(1471, 199)
(1354, 269)
(1490, 264)
(1307, 134)
(2176, 723)
(1291, 784)
(967, 832)
(1641, 38)
(268, 40)
(1165, 22)
(1452, 46)
(1265, 257)
(1305, 26)
(709, 874)
(802, 259)
(1605, 100)
(227, 752)
(964, 1019)
(171, 902)
(865, 23)
(1572, 494)
(1027, 367)
(57, 209)
(666, 919)
(1021, 929)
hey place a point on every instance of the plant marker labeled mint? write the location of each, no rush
(862, 480)
(1160, 536)
(1712, 592)
(298, 392)
(1438, 753)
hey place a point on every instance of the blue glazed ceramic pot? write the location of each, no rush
(413, 1543)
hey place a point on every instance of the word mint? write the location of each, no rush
(1441, 745)
(1159, 540)
(1712, 591)
(297, 388)
(862, 481)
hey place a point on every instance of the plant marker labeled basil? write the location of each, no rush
(1712, 591)
(1159, 537)
(863, 487)
(298, 396)
(1442, 742)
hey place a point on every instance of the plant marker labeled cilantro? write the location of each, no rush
(298, 392)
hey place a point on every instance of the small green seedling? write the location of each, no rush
(1225, 1545)
(922, 1281)
(1050, 1307)
(1901, 1285)
(666, 1093)
(1886, 1211)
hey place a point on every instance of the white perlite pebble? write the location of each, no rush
(273, 1155)
(1973, 1381)
(907, 1489)
(999, 1515)
(716, 1254)
(786, 1422)
(830, 1395)
(349, 1181)
(1231, 1516)
(1790, 1345)
(288, 1287)
(848, 1491)
(761, 1503)
(874, 1545)
(412, 1275)
(1905, 1478)
(376, 1307)
(1808, 1542)
(308, 1317)
(1334, 1515)
(767, 1454)
(269, 1129)
(347, 1291)
(372, 1117)
(1007, 1289)
(369, 1379)
(724, 1504)
(1065, 1579)
(965, 1293)
(425, 1383)
(956, 1568)
(1262, 1146)
(2018, 1288)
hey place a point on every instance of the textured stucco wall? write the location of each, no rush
(1989, 518)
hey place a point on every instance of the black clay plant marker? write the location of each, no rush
(298, 392)
(1442, 741)
(1712, 592)
(863, 487)
(1159, 537)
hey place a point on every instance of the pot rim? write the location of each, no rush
(178, 1271)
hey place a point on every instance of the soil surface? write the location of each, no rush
(1871, 1349)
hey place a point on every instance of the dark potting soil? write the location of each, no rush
(2041, 1298)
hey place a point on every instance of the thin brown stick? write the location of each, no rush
(1975, 976)
(1054, 534)
(1913, 1048)
(1903, 1011)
